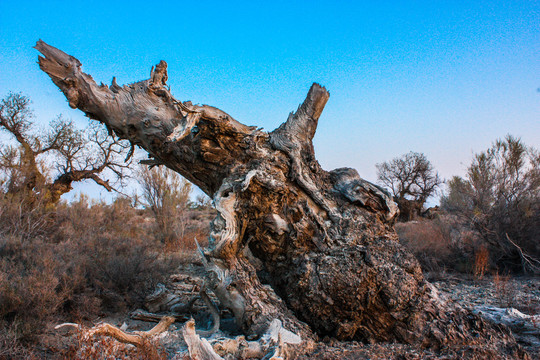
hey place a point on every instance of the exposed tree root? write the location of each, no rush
(276, 343)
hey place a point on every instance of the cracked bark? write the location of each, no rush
(314, 249)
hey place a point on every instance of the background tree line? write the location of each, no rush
(495, 207)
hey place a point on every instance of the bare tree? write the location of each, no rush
(166, 195)
(411, 179)
(313, 249)
(500, 196)
(74, 154)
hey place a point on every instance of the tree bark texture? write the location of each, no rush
(314, 249)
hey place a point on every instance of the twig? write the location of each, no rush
(526, 260)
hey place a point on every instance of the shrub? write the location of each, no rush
(445, 243)
(427, 241)
(96, 259)
(120, 262)
(166, 197)
(32, 285)
(10, 344)
(500, 198)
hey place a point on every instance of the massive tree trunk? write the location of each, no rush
(291, 241)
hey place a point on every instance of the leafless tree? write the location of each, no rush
(411, 179)
(166, 195)
(70, 154)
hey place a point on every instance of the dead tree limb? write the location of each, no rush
(199, 349)
(137, 338)
(528, 263)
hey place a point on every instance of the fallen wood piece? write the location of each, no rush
(238, 348)
(143, 315)
(161, 299)
(215, 315)
(274, 344)
(137, 338)
(277, 338)
(58, 327)
(199, 349)
(526, 328)
(114, 332)
(162, 326)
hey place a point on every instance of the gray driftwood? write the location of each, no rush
(315, 249)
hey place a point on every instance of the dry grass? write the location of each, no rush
(481, 261)
(77, 261)
(505, 292)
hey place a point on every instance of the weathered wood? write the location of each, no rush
(199, 349)
(315, 249)
(137, 338)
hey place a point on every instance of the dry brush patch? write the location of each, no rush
(447, 243)
(86, 260)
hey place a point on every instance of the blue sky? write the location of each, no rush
(445, 78)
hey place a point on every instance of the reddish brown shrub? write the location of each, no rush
(481, 260)
(428, 241)
(29, 281)
(443, 244)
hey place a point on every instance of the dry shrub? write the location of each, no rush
(505, 291)
(97, 258)
(24, 216)
(121, 263)
(481, 260)
(10, 344)
(165, 194)
(500, 199)
(123, 271)
(428, 241)
(32, 285)
(444, 244)
(197, 226)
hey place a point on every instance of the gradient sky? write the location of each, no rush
(445, 78)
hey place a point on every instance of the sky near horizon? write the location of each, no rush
(446, 78)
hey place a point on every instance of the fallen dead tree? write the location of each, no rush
(313, 249)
